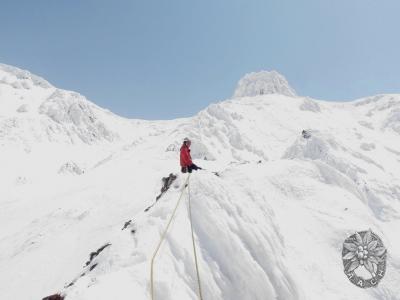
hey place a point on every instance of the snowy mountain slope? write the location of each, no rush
(33, 110)
(271, 226)
(37, 119)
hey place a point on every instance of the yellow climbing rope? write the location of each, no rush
(187, 184)
(194, 245)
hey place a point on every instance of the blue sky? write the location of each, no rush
(170, 58)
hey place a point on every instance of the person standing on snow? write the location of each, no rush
(186, 160)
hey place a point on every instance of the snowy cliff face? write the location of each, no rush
(32, 110)
(75, 115)
(270, 212)
(262, 83)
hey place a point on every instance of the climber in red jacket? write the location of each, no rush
(186, 160)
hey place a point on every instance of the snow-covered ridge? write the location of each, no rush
(33, 111)
(262, 83)
(81, 198)
(19, 78)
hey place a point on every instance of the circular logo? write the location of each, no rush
(364, 259)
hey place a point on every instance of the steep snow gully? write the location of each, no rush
(86, 195)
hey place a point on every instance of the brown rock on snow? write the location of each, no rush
(54, 297)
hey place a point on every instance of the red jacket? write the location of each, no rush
(186, 159)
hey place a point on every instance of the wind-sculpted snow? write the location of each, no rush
(322, 148)
(20, 79)
(33, 112)
(239, 256)
(286, 180)
(393, 120)
(310, 105)
(23, 108)
(70, 168)
(249, 226)
(341, 171)
(263, 83)
(218, 123)
(383, 110)
(74, 115)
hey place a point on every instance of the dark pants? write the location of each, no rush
(190, 168)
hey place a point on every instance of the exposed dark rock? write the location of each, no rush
(92, 267)
(54, 297)
(167, 181)
(306, 134)
(127, 223)
(73, 282)
(95, 253)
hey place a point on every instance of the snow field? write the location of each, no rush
(270, 226)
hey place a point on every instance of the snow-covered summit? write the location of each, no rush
(20, 79)
(263, 82)
(33, 111)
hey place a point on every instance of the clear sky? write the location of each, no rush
(170, 58)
